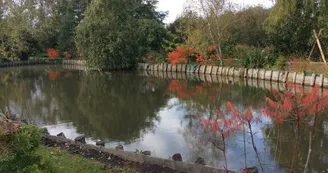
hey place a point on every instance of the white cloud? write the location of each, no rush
(175, 7)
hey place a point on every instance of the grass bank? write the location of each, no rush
(68, 163)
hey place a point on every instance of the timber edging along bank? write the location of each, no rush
(262, 74)
(29, 62)
(74, 62)
(135, 157)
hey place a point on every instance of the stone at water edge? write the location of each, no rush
(200, 161)
(147, 153)
(251, 170)
(13, 117)
(61, 134)
(80, 139)
(24, 121)
(45, 131)
(100, 143)
(177, 157)
(120, 147)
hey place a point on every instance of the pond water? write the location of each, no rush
(161, 115)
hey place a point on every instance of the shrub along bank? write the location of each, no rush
(22, 152)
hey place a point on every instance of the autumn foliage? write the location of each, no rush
(67, 55)
(53, 75)
(297, 104)
(185, 54)
(183, 91)
(228, 124)
(52, 53)
(181, 55)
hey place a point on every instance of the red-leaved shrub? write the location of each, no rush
(52, 53)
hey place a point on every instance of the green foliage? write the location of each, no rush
(245, 27)
(70, 15)
(31, 27)
(155, 57)
(258, 58)
(281, 62)
(291, 22)
(22, 157)
(118, 34)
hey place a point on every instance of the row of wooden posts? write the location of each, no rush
(29, 62)
(261, 74)
(229, 80)
(73, 62)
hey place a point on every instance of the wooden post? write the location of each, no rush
(320, 48)
(314, 44)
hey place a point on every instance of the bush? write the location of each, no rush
(52, 53)
(118, 33)
(155, 57)
(281, 62)
(183, 54)
(258, 58)
(21, 156)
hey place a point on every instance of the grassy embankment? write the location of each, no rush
(68, 163)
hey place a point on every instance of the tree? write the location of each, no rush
(109, 35)
(246, 26)
(211, 11)
(291, 22)
(70, 13)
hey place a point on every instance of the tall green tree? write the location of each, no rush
(70, 13)
(118, 33)
(291, 22)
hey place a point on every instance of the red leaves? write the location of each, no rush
(67, 55)
(174, 86)
(296, 106)
(233, 110)
(53, 75)
(181, 54)
(248, 115)
(272, 104)
(200, 59)
(183, 91)
(211, 48)
(215, 126)
(228, 124)
(68, 75)
(52, 53)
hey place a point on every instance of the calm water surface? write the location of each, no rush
(160, 115)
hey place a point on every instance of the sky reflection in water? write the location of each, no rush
(147, 113)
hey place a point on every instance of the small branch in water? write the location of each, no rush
(254, 147)
(296, 144)
(309, 153)
(217, 146)
(224, 152)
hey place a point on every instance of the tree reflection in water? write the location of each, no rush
(124, 107)
(276, 131)
(99, 105)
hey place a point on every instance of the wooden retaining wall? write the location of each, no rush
(247, 82)
(256, 74)
(29, 62)
(74, 62)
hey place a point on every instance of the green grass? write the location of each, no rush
(64, 162)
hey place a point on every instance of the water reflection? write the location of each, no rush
(161, 115)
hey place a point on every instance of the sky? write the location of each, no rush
(175, 7)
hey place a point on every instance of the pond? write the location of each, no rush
(161, 115)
